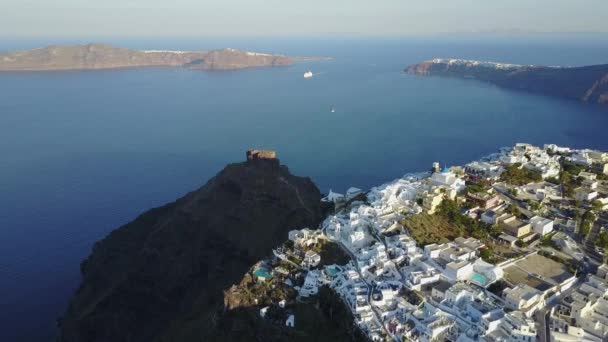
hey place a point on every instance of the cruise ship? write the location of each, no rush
(308, 74)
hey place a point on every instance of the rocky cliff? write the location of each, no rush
(99, 56)
(587, 84)
(162, 276)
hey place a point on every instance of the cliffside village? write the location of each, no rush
(507, 248)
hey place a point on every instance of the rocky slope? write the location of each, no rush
(98, 56)
(324, 318)
(587, 84)
(162, 276)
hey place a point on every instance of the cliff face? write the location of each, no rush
(162, 276)
(228, 59)
(587, 84)
(98, 56)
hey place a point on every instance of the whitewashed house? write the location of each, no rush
(523, 298)
(541, 226)
(449, 179)
(458, 270)
(352, 192)
(311, 259)
(333, 197)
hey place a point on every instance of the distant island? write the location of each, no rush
(100, 56)
(588, 84)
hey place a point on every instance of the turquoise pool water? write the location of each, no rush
(332, 271)
(479, 279)
(262, 273)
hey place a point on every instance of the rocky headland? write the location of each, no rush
(587, 84)
(162, 277)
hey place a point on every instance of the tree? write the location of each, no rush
(547, 241)
(572, 168)
(518, 175)
(514, 210)
(597, 206)
(565, 177)
(495, 230)
(474, 188)
(288, 244)
(477, 231)
(602, 240)
(586, 221)
(449, 208)
(487, 255)
(535, 206)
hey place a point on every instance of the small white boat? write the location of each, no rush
(308, 74)
(333, 110)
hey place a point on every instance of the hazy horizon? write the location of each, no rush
(315, 17)
(276, 43)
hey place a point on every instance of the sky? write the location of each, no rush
(297, 18)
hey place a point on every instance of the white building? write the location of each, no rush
(541, 226)
(333, 197)
(518, 327)
(311, 259)
(449, 179)
(585, 194)
(458, 270)
(556, 149)
(523, 298)
(484, 170)
(311, 284)
(492, 320)
(304, 237)
(360, 239)
(568, 246)
(583, 313)
(581, 158)
(353, 192)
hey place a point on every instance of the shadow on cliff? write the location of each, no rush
(161, 277)
(321, 318)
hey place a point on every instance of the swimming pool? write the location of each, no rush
(479, 279)
(333, 270)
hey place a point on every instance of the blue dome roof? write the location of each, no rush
(446, 169)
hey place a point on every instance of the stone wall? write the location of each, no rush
(261, 154)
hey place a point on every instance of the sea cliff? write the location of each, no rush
(162, 276)
(587, 84)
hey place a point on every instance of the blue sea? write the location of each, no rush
(83, 152)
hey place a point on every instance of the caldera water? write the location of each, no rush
(84, 152)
